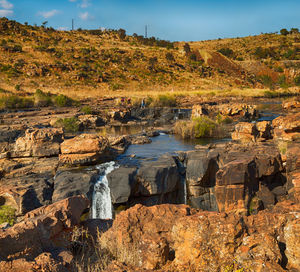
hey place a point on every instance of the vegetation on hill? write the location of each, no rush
(87, 63)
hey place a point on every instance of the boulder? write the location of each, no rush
(198, 110)
(201, 169)
(41, 230)
(287, 127)
(245, 132)
(264, 128)
(291, 105)
(84, 143)
(26, 193)
(177, 238)
(70, 183)
(44, 142)
(91, 121)
(139, 236)
(158, 177)
(84, 149)
(121, 181)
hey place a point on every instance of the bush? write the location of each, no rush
(267, 81)
(196, 128)
(86, 110)
(297, 80)
(42, 99)
(68, 124)
(226, 52)
(7, 214)
(170, 57)
(15, 102)
(63, 101)
(284, 32)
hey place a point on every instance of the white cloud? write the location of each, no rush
(85, 16)
(5, 4)
(48, 14)
(6, 12)
(62, 28)
(85, 3)
(72, 0)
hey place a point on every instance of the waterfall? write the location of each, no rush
(101, 203)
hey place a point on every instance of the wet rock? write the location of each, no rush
(44, 142)
(157, 177)
(119, 144)
(70, 183)
(121, 181)
(140, 139)
(201, 172)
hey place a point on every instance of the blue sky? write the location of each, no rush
(175, 20)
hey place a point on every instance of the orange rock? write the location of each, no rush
(84, 143)
(43, 142)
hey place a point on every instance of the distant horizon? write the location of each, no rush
(168, 20)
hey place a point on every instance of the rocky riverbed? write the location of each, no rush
(210, 207)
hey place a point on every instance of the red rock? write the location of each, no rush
(140, 235)
(41, 229)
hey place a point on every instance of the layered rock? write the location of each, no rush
(41, 240)
(91, 121)
(44, 142)
(176, 238)
(228, 177)
(84, 149)
(244, 110)
(199, 110)
(287, 127)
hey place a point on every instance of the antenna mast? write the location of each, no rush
(72, 24)
(146, 31)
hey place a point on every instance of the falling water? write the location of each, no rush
(101, 204)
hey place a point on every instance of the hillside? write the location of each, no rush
(95, 63)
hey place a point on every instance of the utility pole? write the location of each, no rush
(146, 31)
(72, 24)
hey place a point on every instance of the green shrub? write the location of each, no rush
(297, 80)
(15, 102)
(86, 110)
(63, 101)
(42, 99)
(68, 124)
(196, 128)
(267, 81)
(270, 94)
(204, 126)
(7, 214)
(226, 52)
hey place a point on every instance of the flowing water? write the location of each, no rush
(101, 205)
